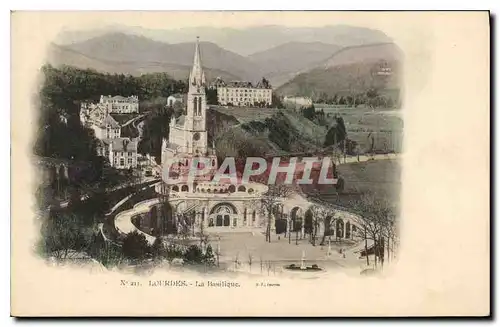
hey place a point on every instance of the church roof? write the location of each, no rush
(197, 76)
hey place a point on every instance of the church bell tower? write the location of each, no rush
(196, 107)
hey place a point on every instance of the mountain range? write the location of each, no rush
(243, 41)
(286, 64)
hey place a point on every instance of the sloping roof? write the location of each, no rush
(120, 97)
(103, 142)
(108, 120)
(261, 85)
(124, 144)
(240, 84)
(180, 120)
(218, 82)
(123, 118)
(172, 146)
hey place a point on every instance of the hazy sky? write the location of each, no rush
(179, 19)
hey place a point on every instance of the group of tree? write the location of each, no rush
(337, 133)
(70, 230)
(73, 84)
(135, 247)
(211, 95)
(156, 128)
(370, 97)
(377, 221)
(60, 133)
(276, 101)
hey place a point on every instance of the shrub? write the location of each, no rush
(194, 255)
(209, 257)
(135, 246)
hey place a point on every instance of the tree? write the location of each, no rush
(158, 248)
(374, 217)
(309, 223)
(270, 200)
(337, 136)
(209, 257)
(135, 246)
(166, 222)
(63, 234)
(276, 101)
(250, 261)
(309, 112)
(321, 216)
(372, 93)
(211, 95)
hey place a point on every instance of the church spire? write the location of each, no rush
(197, 76)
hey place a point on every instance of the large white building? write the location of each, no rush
(121, 105)
(244, 94)
(298, 102)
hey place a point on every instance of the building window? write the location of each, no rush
(129, 161)
(130, 154)
(122, 162)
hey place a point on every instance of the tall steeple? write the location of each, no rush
(197, 76)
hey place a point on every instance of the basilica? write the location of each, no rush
(213, 204)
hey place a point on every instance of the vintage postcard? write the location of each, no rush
(250, 164)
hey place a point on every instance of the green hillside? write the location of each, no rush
(253, 133)
(345, 80)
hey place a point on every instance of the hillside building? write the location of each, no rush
(121, 105)
(243, 94)
(108, 128)
(121, 152)
(297, 102)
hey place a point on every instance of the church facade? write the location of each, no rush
(214, 205)
(188, 133)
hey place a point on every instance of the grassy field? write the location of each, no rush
(386, 126)
(380, 177)
(245, 115)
